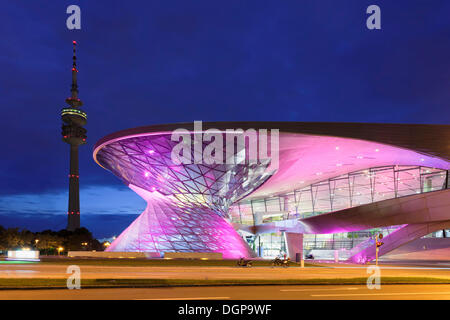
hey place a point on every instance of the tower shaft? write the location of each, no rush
(73, 221)
(75, 135)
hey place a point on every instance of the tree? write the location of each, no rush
(48, 241)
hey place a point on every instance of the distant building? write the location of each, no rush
(73, 133)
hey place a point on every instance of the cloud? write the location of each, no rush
(101, 225)
(93, 200)
(105, 210)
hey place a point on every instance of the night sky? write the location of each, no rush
(152, 62)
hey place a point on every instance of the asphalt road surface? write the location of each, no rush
(216, 273)
(316, 292)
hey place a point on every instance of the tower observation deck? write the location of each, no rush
(73, 133)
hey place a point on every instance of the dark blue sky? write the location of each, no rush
(150, 62)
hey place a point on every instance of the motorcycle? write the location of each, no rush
(277, 262)
(244, 263)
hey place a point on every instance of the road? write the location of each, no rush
(282, 292)
(316, 292)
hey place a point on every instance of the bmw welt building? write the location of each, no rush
(260, 189)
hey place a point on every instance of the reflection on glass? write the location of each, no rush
(342, 192)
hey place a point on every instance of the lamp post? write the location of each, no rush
(378, 245)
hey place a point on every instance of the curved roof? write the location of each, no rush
(426, 138)
(314, 151)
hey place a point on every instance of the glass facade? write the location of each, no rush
(187, 203)
(146, 162)
(342, 192)
(338, 193)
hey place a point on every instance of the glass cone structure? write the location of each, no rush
(188, 204)
(166, 227)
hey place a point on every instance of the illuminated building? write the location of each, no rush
(332, 179)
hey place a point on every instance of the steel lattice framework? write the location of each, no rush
(187, 203)
(164, 227)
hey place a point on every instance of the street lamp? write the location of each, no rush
(378, 244)
(59, 250)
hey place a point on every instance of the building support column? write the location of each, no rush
(294, 242)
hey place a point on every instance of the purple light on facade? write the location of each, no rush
(189, 210)
(164, 227)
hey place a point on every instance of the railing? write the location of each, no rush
(357, 255)
(346, 191)
(332, 244)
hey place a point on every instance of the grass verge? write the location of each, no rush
(149, 283)
(158, 262)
